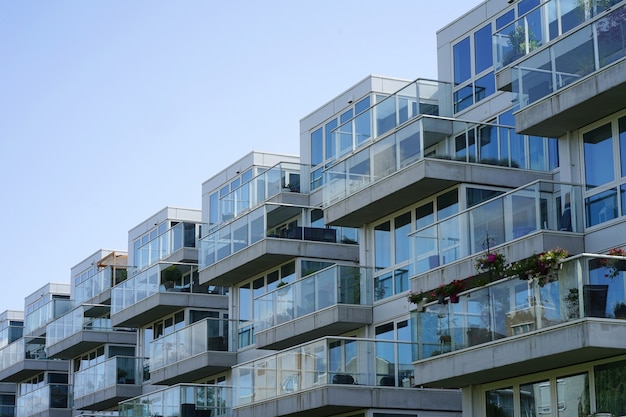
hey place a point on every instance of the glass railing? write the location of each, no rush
(76, 321)
(162, 277)
(588, 49)
(418, 98)
(96, 284)
(119, 370)
(183, 235)
(538, 206)
(330, 360)
(268, 221)
(46, 313)
(284, 176)
(21, 349)
(184, 400)
(43, 399)
(434, 137)
(10, 334)
(211, 334)
(337, 284)
(586, 285)
(541, 25)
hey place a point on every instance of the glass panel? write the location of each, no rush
(385, 115)
(598, 148)
(572, 395)
(462, 61)
(573, 57)
(382, 245)
(463, 98)
(402, 226)
(610, 389)
(611, 34)
(535, 398)
(499, 403)
(484, 87)
(409, 144)
(482, 49)
(331, 145)
(384, 158)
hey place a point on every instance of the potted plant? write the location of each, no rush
(491, 263)
(612, 265)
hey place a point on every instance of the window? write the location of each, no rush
(462, 61)
(483, 56)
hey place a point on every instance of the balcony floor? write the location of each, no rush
(194, 368)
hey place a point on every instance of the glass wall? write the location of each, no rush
(117, 370)
(583, 286)
(184, 400)
(330, 360)
(182, 235)
(334, 285)
(538, 206)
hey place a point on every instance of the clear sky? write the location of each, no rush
(111, 110)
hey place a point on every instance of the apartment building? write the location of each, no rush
(438, 248)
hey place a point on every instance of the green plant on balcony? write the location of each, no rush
(519, 44)
(542, 267)
(613, 265)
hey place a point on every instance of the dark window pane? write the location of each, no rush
(462, 61)
(483, 56)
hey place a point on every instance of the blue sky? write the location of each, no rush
(111, 110)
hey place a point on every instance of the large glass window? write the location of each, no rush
(610, 388)
(598, 156)
(382, 245)
(462, 61)
(483, 56)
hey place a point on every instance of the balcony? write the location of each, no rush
(26, 358)
(177, 244)
(102, 386)
(37, 319)
(83, 329)
(95, 288)
(329, 302)
(200, 349)
(333, 375)
(575, 80)
(160, 290)
(282, 182)
(554, 210)
(52, 399)
(509, 328)
(264, 238)
(185, 400)
(421, 158)
(540, 26)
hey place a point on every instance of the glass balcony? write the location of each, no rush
(590, 48)
(78, 320)
(284, 176)
(22, 349)
(42, 400)
(98, 283)
(159, 278)
(10, 332)
(330, 360)
(541, 25)
(183, 235)
(184, 400)
(433, 137)
(586, 285)
(119, 370)
(418, 98)
(334, 285)
(211, 334)
(532, 208)
(46, 313)
(268, 221)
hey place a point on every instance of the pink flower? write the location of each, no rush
(491, 257)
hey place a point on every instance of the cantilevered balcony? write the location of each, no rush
(423, 157)
(577, 79)
(265, 237)
(193, 352)
(158, 291)
(26, 358)
(96, 288)
(282, 180)
(333, 375)
(329, 302)
(540, 26)
(50, 400)
(83, 329)
(550, 212)
(102, 386)
(509, 327)
(184, 400)
(36, 320)
(177, 244)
